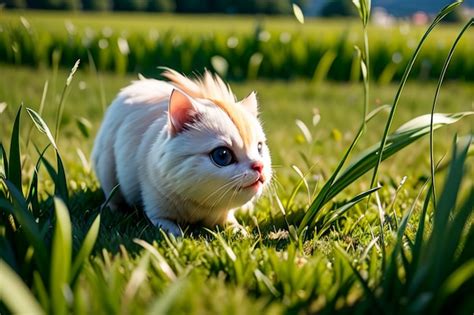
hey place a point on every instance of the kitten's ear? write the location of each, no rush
(250, 103)
(180, 112)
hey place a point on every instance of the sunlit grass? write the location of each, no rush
(387, 255)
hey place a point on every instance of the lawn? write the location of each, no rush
(248, 48)
(385, 255)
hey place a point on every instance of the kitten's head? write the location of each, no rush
(216, 152)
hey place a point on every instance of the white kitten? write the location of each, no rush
(185, 150)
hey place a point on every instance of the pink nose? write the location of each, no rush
(257, 166)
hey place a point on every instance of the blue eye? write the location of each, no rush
(222, 156)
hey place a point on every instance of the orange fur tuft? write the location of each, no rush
(213, 88)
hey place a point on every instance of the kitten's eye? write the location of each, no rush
(260, 147)
(222, 156)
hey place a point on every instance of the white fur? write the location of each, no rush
(172, 176)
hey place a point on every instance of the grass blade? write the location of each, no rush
(29, 226)
(59, 112)
(337, 213)
(41, 125)
(456, 280)
(402, 137)
(14, 161)
(435, 100)
(86, 248)
(60, 184)
(164, 266)
(164, 303)
(451, 188)
(321, 198)
(4, 161)
(60, 257)
(439, 246)
(445, 11)
(17, 297)
(40, 111)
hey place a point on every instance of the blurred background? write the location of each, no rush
(396, 8)
(240, 40)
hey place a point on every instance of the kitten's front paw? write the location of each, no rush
(239, 229)
(168, 226)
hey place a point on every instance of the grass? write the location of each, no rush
(386, 255)
(144, 22)
(248, 48)
(204, 259)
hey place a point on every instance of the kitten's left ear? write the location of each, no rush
(250, 103)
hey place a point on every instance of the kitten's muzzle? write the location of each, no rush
(257, 183)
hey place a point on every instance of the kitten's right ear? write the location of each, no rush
(180, 112)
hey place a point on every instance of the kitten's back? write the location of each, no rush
(127, 119)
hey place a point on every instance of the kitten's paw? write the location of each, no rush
(168, 226)
(239, 229)
(236, 227)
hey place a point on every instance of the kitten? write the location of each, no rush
(186, 150)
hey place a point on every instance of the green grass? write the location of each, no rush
(282, 102)
(250, 47)
(399, 251)
(270, 272)
(51, 21)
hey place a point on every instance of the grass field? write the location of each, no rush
(301, 275)
(402, 251)
(144, 22)
(249, 47)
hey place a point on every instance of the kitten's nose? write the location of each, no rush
(257, 166)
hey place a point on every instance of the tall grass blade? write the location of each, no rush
(41, 126)
(401, 138)
(435, 100)
(445, 11)
(60, 258)
(439, 246)
(4, 161)
(320, 199)
(15, 294)
(60, 184)
(337, 213)
(28, 224)
(14, 161)
(33, 194)
(419, 241)
(86, 248)
(111, 195)
(40, 290)
(40, 111)
(60, 109)
(451, 188)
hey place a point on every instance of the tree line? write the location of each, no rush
(178, 6)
